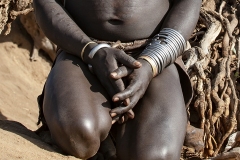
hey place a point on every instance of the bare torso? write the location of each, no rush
(123, 20)
(80, 107)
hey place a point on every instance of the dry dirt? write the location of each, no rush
(21, 81)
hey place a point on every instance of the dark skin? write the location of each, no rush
(91, 97)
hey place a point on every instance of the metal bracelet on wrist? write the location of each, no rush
(96, 48)
(165, 47)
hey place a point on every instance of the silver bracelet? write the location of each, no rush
(165, 53)
(96, 48)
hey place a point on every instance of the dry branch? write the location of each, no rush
(10, 9)
(214, 84)
(211, 64)
(212, 32)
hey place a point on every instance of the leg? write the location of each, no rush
(76, 107)
(159, 127)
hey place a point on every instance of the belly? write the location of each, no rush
(123, 20)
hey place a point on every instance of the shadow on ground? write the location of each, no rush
(22, 39)
(19, 129)
(2, 117)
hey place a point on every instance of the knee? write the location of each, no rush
(79, 140)
(83, 150)
(168, 153)
(157, 154)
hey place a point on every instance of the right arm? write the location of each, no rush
(59, 27)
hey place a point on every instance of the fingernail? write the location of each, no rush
(113, 121)
(114, 74)
(126, 102)
(116, 99)
(121, 120)
(136, 63)
(113, 114)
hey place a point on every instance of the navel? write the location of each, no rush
(115, 22)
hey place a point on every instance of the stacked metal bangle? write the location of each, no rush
(164, 49)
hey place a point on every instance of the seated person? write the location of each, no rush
(118, 61)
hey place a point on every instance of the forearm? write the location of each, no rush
(59, 27)
(171, 41)
(183, 16)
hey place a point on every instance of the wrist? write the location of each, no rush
(147, 67)
(95, 49)
(164, 49)
(87, 50)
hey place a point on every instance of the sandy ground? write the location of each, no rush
(21, 81)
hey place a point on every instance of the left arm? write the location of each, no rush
(182, 17)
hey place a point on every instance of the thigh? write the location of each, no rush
(159, 126)
(76, 107)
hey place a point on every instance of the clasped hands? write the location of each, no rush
(111, 66)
